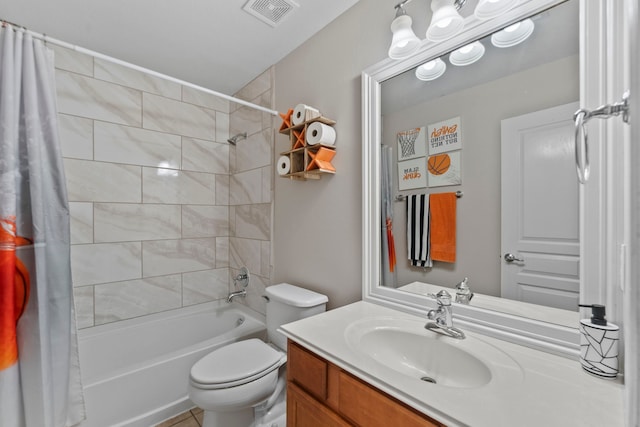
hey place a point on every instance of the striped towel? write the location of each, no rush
(418, 239)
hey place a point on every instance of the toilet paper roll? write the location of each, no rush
(319, 133)
(303, 113)
(284, 165)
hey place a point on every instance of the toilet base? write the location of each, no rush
(242, 418)
(275, 416)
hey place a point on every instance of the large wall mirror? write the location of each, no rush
(514, 170)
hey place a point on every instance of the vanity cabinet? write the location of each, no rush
(321, 394)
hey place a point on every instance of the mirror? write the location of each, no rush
(384, 116)
(530, 78)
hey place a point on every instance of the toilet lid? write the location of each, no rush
(236, 363)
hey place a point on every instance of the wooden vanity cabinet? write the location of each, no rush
(320, 394)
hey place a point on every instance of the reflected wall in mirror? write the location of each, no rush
(499, 100)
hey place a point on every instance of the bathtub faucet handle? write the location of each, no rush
(243, 278)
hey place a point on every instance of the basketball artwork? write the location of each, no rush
(445, 136)
(412, 174)
(412, 144)
(444, 169)
(438, 164)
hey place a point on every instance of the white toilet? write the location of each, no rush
(243, 384)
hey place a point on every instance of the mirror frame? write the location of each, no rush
(533, 333)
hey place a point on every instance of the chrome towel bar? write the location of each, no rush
(401, 197)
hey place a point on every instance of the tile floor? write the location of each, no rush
(192, 418)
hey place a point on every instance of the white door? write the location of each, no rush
(540, 209)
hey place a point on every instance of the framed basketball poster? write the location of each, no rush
(412, 174)
(445, 136)
(444, 169)
(412, 143)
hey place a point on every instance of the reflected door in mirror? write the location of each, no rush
(540, 209)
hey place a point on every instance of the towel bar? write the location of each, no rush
(401, 197)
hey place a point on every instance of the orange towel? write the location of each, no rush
(442, 207)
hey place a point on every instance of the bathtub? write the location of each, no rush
(136, 372)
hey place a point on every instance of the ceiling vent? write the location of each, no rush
(271, 12)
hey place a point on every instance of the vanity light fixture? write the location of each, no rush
(446, 22)
(404, 42)
(467, 55)
(487, 9)
(431, 70)
(513, 34)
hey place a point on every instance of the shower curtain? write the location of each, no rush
(388, 250)
(39, 369)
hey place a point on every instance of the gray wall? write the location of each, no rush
(317, 228)
(317, 224)
(480, 108)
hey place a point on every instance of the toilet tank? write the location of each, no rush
(287, 303)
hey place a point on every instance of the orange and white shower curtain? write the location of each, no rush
(39, 370)
(14, 293)
(388, 250)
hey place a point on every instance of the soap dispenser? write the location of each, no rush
(599, 343)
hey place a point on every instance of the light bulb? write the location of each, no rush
(404, 41)
(444, 23)
(466, 49)
(431, 70)
(512, 28)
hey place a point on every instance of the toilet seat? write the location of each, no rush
(236, 364)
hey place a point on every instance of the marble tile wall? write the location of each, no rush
(251, 186)
(163, 211)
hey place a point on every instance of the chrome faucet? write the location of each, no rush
(242, 278)
(443, 317)
(232, 295)
(463, 292)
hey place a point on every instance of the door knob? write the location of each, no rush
(509, 257)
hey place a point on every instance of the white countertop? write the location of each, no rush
(552, 390)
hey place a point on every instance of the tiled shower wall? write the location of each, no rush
(163, 210)
(251, 186)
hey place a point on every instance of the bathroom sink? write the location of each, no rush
(407, 348)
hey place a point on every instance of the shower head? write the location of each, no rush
(234, 139)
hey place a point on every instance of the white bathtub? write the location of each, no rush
(136, 372)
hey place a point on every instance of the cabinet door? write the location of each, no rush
(307, 370)
(368, 407)
(305, 411)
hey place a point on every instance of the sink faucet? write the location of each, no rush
(443, 317)
(463, 292)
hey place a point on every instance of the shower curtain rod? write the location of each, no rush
(98, 55)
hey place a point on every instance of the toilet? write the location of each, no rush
(243, 384)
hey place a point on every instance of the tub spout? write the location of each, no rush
(232, 295)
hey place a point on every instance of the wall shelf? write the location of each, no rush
(307, 161)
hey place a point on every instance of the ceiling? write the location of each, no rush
(211, 43)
